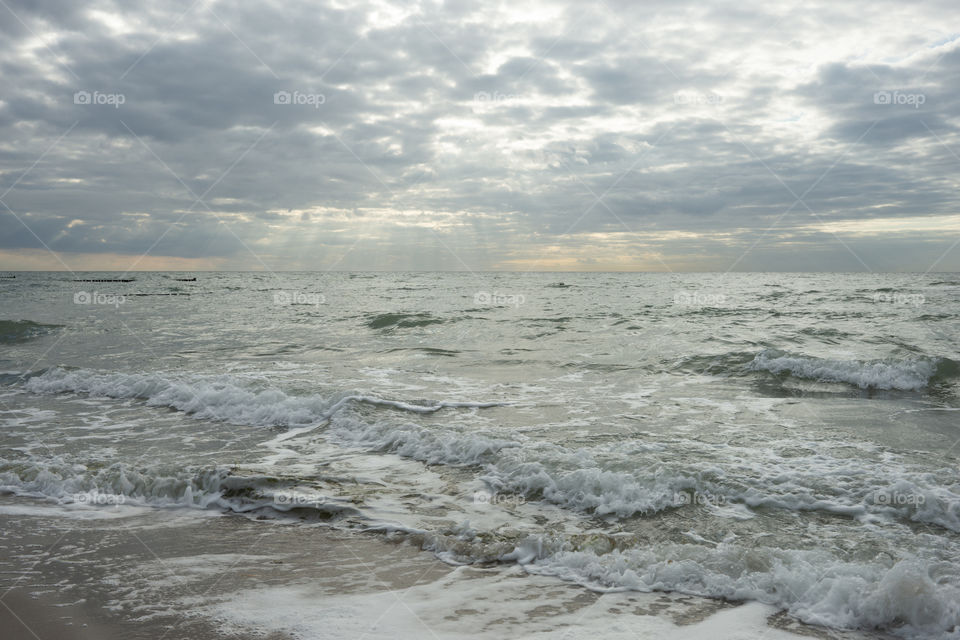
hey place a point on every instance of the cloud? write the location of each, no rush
(455, 135)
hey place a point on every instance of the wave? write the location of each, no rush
(573, 480)
(857, 492)
(910, 596)
(221, 398)
(548, 473)
(430, 351)
(219, 487)
(22, 330)
(899, 596)
(907, 596)
(825, 332)
(402, 320)
(904, 375)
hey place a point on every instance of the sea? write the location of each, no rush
(779, 448)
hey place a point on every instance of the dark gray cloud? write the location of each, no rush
(455, 135)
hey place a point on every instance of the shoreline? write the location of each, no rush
(150, 573)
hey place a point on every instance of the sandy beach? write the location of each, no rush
(131, 573)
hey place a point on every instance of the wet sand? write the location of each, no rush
(176, 574)
(25, 617)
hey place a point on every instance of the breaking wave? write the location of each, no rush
(220, 398)
(904, 375)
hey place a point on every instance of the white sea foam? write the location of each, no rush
(433, 446)
(71, 512)
(815, 586)
(902, 596)
(570, 479)
(469, 604)
(121, 486)
(220, 398)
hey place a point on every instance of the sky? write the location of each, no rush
(454, 135)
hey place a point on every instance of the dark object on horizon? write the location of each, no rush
(8, 277)
(104, 280)
(185, 279)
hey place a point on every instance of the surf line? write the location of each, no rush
(396, 404)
